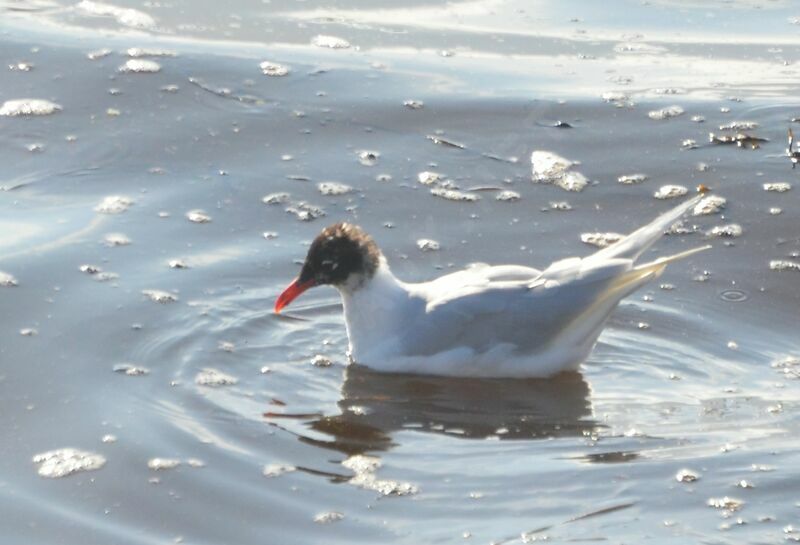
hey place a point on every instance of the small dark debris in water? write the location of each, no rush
(444, 142)
(558, 124)
(224, 92)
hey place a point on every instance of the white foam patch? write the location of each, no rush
(28, 106)
(140, 66)
(66, 461)
(125, 16)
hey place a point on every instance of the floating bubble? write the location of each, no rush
(66, 461)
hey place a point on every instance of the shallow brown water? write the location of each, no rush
(694, 372)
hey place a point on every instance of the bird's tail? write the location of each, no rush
(633, 245)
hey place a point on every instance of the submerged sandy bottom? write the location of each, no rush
(152, 218)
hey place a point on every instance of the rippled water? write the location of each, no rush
(140, 261)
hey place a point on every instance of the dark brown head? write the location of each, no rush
(340, 255)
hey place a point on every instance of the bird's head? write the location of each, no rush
(342, 255)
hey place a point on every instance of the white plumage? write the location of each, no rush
(498, 321)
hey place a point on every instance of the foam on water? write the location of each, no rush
(66, 461)
(160, 296)
(601, 240)
(274, 69)
(7, 280)
(551, 168)
(428, 245)
(333, 188)
(114, 204)
(125, 16)
(214, 378)
(713, 204)
(28, 106)
(140, 66)
(670, 191)
(331, 42)
(777, 187)
(665, 113)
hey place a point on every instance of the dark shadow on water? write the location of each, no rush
(375, 405)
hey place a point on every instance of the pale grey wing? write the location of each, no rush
(635, 244)
(526, 314)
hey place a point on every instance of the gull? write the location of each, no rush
(483, 321)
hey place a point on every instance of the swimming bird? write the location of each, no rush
(488, 321)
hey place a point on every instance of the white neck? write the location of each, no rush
(373, 309)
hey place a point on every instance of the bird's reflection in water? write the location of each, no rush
(375, 405)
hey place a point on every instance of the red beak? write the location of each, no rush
(291, 292)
